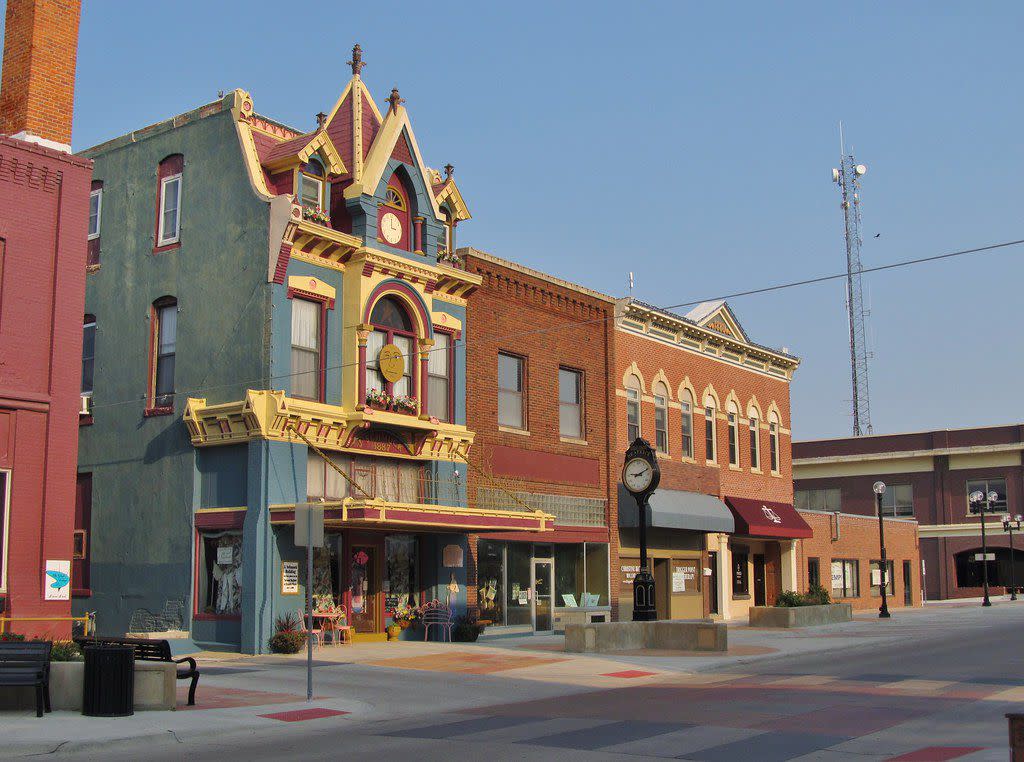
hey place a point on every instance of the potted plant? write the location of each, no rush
(316, 214)
(288, 637)
(405, 616)
(378, 400)
(466, 628)
(405, 404)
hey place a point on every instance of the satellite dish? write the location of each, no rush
(860, 169)
(835, 175)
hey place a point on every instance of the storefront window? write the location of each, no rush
(876, 578)
(220, 566)
(401, 586)
(518, 561)
(490, 581)
(740, 575)
(597, 573)
(569, 579)
(844, 578)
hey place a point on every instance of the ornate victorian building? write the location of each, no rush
(278, 320)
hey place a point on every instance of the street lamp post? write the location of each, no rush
(1009, 524)
(883, 610)
(979, 502)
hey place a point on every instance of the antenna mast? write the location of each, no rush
(847, 177)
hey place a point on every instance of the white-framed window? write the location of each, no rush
(686, 403)
(511, 396)
(95, 212)
(439, 378)
(985, 486)
(88, 353)
(5, 502)
(755, 444)
(306, 349)
(710, 443)
(311, 184)
(773, 443)
(165, 342)
(170, 210)
(661, 418)
(898, 500)
(845, 578)
(633, 409)
(570, 403)
(734, 438)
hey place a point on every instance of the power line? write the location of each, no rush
(576, 324)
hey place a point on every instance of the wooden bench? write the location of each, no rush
(155, 650)
(26, 664)
(437, 614)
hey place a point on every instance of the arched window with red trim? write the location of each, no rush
(392, 324)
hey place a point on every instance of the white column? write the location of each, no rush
(724, 576)
(790, 579)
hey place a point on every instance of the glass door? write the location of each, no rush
(364, 588)
(542, 595)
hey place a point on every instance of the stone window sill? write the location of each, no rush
(512, 430)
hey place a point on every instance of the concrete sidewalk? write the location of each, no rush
(380, 682)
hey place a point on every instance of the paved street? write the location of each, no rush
(927, 685)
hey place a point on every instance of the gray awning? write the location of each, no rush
(675, 509)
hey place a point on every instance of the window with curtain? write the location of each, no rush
(661, 418)
(306, 349)
(710, 445)
(511, 405)
(88, 353)
(165, 334)
(391, 325)
(570, 403)
(439, 378)
(311, 181)
(686, 403)
(755, 444)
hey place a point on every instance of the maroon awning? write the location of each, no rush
(761, 518)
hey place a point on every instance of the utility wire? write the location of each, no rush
(576, 324)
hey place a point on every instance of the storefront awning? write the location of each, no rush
(675, 509)
(761, 518)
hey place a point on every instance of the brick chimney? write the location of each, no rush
(38, 87)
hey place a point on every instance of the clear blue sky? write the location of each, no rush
(691, 143)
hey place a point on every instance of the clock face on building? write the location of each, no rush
(391, 228)
(637, 475)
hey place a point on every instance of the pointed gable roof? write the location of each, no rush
(717, 316)
(299, 150)
(447, 192)
(353, 123)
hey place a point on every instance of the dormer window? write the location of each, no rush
(311, 184)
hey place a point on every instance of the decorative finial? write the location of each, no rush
(395, 99)
(449, 170)
(357, 60)
(320, 119)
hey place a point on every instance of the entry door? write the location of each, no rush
(364, 588)
(908, 584)
(759, 580)
(713, 581)
(542, 596)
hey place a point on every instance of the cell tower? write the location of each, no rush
(847, 177)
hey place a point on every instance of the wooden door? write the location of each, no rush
(364, 587)
(759, 580)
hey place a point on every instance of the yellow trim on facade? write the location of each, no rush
(271, 415)
(984, 460)
(328, 264)
(312, 286)
(449, 193)
(444, 320)
(862, 468)
(222, 510)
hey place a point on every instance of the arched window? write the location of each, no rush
(391, 326)
(632, 408)
(734, 435)
(773, 441)
(710, 433)
(686, 403)
(312, 180)
(755, 440)
(164, 344)
(394, 217)
(661, 417)
(169, 173)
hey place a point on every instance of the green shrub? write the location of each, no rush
(65, 650)
(287, 642)
(789, 599)
(817, 596)
(289, 622)
(8, 637)
(466, 628)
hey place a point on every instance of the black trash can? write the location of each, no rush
(109, 689)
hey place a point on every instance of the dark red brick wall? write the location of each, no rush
(44, 204)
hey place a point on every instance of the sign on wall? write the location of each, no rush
(684, 577)
(451, 556)
(57, 581)
(289, 578)
(629, 568)
(391, 362)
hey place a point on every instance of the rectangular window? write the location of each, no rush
(632, 414)
(813, 572)
(734, 445)
(312, 191)
(401, 566)
(755, 445)
(709, 435)
(570, 403)
(740, 573)
(876, 578)
(661, 424)
(818, 499)
(374, 343)
(490, 580)
(220, 571)
(845, 578)
(687, 430)
(166, 341)
(511, 407)
(773, 446)
(898, 500)
(439, 378)
(95, 210)
(985, 486)
(88, 353)
(5, 499)
(170, 210)
(306, 349)
(83, 523)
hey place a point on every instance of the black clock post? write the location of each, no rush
(640, 475)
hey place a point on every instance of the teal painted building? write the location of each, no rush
(278, 318)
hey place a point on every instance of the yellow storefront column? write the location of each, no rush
(724, 576)
(790, 580)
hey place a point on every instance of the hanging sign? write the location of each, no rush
(57, 581)
(289, 578)
(391, 362)
(451, 556)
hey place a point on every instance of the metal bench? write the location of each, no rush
(26, 664)
(437, 614)
(155, 650)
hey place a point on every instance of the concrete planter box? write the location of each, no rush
(800, 616)
(598, 637)
(154, 687)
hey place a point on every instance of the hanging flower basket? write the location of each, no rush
(316, 214)
(407, 405)
(378, 400)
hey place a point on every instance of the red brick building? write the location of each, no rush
(928, 476)
(44, 212)
(538, 360)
